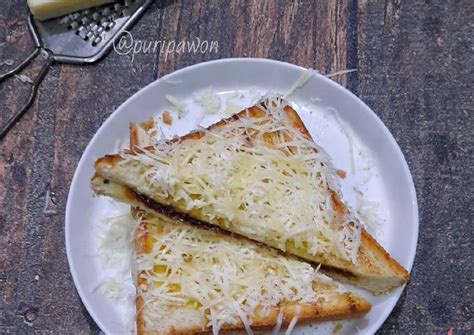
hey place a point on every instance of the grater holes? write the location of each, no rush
(74, 25)
(96, 41)
(96, 16)
(108, 25)
(81, 32)
(92, 25)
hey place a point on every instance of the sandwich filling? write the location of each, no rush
(258, 176)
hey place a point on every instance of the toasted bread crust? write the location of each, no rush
(305, 314)
(376, 271)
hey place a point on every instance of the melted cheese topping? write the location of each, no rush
(218, 278)
(278, 194)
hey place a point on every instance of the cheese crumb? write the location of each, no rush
(180, 107)
(166, 117)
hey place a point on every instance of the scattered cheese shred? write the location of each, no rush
(307, 74)
(349, 136)
(333, 74)
(115, 237)
(291, 326)
(8, 62)
(368, 211)
(301, 81)
(180, 107)
(48, 202)
(278, 323)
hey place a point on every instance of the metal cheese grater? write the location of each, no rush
(78, 38)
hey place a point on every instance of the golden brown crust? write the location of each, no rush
(108, 160)
(141, 241)
(133, 135)
(141, 329)
(371, 243)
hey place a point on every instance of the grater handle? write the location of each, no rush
(20, 66)
(39, 78)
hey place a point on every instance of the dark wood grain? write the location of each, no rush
(416, 72)
(414, 62)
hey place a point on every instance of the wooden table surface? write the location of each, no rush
(415, 70)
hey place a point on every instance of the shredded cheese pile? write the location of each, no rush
(115, 239)
(218, 278)
(279, 194)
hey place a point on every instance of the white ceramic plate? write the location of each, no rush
(354, 136)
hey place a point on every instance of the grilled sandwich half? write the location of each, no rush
(194, 280)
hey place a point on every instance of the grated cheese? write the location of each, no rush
(116, 240)
(111, 288)
(278, 323)
(349, 136)
(209, 101)
(333, 74)
(300, 82)
(368, 211)
(225, 281)
(277, 195)
(291, 326)
(180, 107)
(115, 236)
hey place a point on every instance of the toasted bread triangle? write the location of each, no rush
(375, 270)
(339, 305)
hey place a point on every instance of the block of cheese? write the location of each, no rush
(48, 9)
